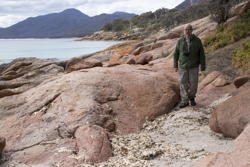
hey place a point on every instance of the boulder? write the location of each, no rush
(239, 81)
(83, 64)
(143, 58)
(115, 59)
(238, 157)
(221, 81)
(112, 64)
(137, 46)
(23, 74)
(239, 9)
(171, 35)
(51, 123)
(93, 143)
(231, 117)
(137, 51)
(131, 61)
(142, 49)
(209, 79)
(157, 45)
(214, 86)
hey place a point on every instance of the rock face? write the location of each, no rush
(231, 117)
(238, 157)
(143, 58)
(25, 73)
(93, 143)
(214, 86)
(53, 122)
(83, 64)
(239, 9)
(171, 35)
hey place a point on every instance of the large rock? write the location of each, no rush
(118, 54)
(214, 86)
(25, 73)
(49, 124)
(83, 64)
(143, 58)
(172, 34)
(157, 45)
(94, 144)
(239, 157)
(231, 117)
(142, 49)
(239, 9)
(164, 51)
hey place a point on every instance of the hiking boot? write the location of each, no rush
(182, 105)
(192, 102)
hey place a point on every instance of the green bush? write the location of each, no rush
(117, 25)
(108, 27)
(228, 33)
(241, 57)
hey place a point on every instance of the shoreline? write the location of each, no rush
(58, 49)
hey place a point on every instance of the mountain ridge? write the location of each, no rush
(68, 23)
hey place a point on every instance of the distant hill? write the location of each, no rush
(188, 3)
(152, 22)
(69, 23)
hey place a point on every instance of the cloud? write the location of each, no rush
(6, 20)
(132, 6)
(13, 11)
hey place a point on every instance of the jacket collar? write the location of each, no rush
(192, 37)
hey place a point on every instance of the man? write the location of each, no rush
(188, 56)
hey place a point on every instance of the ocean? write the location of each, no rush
(61, 49)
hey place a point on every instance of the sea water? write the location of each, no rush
(60, 49)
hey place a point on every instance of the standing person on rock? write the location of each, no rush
(188, 56)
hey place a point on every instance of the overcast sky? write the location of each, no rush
(13, 11)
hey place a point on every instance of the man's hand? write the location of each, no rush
(202, 74)
(203, 69)
(176, 69)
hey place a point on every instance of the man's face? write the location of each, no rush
(188, 31)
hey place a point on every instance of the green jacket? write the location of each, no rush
(188, 59)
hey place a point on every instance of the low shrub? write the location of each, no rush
(228, 33)
(241, 57)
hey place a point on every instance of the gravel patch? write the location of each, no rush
(177, 139)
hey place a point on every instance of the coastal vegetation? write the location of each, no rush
(160, 19)
(228, 33)
(241, 57)
(152, 22)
